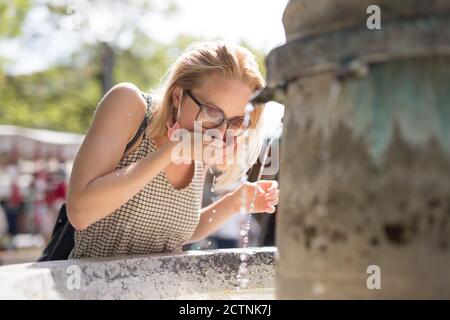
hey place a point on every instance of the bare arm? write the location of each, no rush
(95, 189)
(264, 192)
(214, 216)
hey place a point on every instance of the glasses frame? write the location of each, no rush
(202, 106)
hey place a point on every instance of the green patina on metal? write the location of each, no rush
(413, 94)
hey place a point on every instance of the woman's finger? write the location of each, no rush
(274, 192)
(272, 195)
(274, 186)
(271, 199)
(271, 209)
(264, 184)
(252, 187)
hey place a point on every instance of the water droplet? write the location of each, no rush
(214, 211)
(243, 233)
(213, 182)
(245, 239)
(243, 283)
(209, 243)
(242, 269)
(210, 220)
(247, 226)
(244, 257)
(117, 174)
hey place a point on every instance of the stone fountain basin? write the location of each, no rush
(190, 274)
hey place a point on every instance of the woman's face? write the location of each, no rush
(231, 96)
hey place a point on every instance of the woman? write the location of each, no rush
(142, 200)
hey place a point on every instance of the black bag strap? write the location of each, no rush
(62, 241)
(144, 123)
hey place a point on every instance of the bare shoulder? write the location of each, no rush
(127, 89)
(118, 114)
(124, 95)
(123, 103)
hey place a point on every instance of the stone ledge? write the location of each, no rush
(138, 277)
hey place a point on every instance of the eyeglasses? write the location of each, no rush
(213, 117)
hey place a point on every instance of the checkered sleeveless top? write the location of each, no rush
(159, 218)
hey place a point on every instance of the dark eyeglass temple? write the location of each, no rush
(200, 105)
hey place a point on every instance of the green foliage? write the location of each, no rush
(64, 97)
(12, 15)
(60, 98)
(143, 64)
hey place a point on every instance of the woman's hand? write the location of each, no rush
(265, 193)
(198, 146)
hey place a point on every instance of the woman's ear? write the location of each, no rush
(176, 96)
(170, 123)
(174, 102)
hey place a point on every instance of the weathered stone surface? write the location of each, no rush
(370, 184)
(140, 277)
(310, 17)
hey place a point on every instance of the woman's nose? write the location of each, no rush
(217, 133)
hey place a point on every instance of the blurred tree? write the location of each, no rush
(64, 96)
(143, 63)
(12, 15)
(110, 25)
(60, 98)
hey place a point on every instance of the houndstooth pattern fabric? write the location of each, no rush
(159, 218)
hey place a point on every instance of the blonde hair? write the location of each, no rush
(189, 70)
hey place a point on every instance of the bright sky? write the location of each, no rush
(256, 21)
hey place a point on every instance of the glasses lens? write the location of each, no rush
(210, 117)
